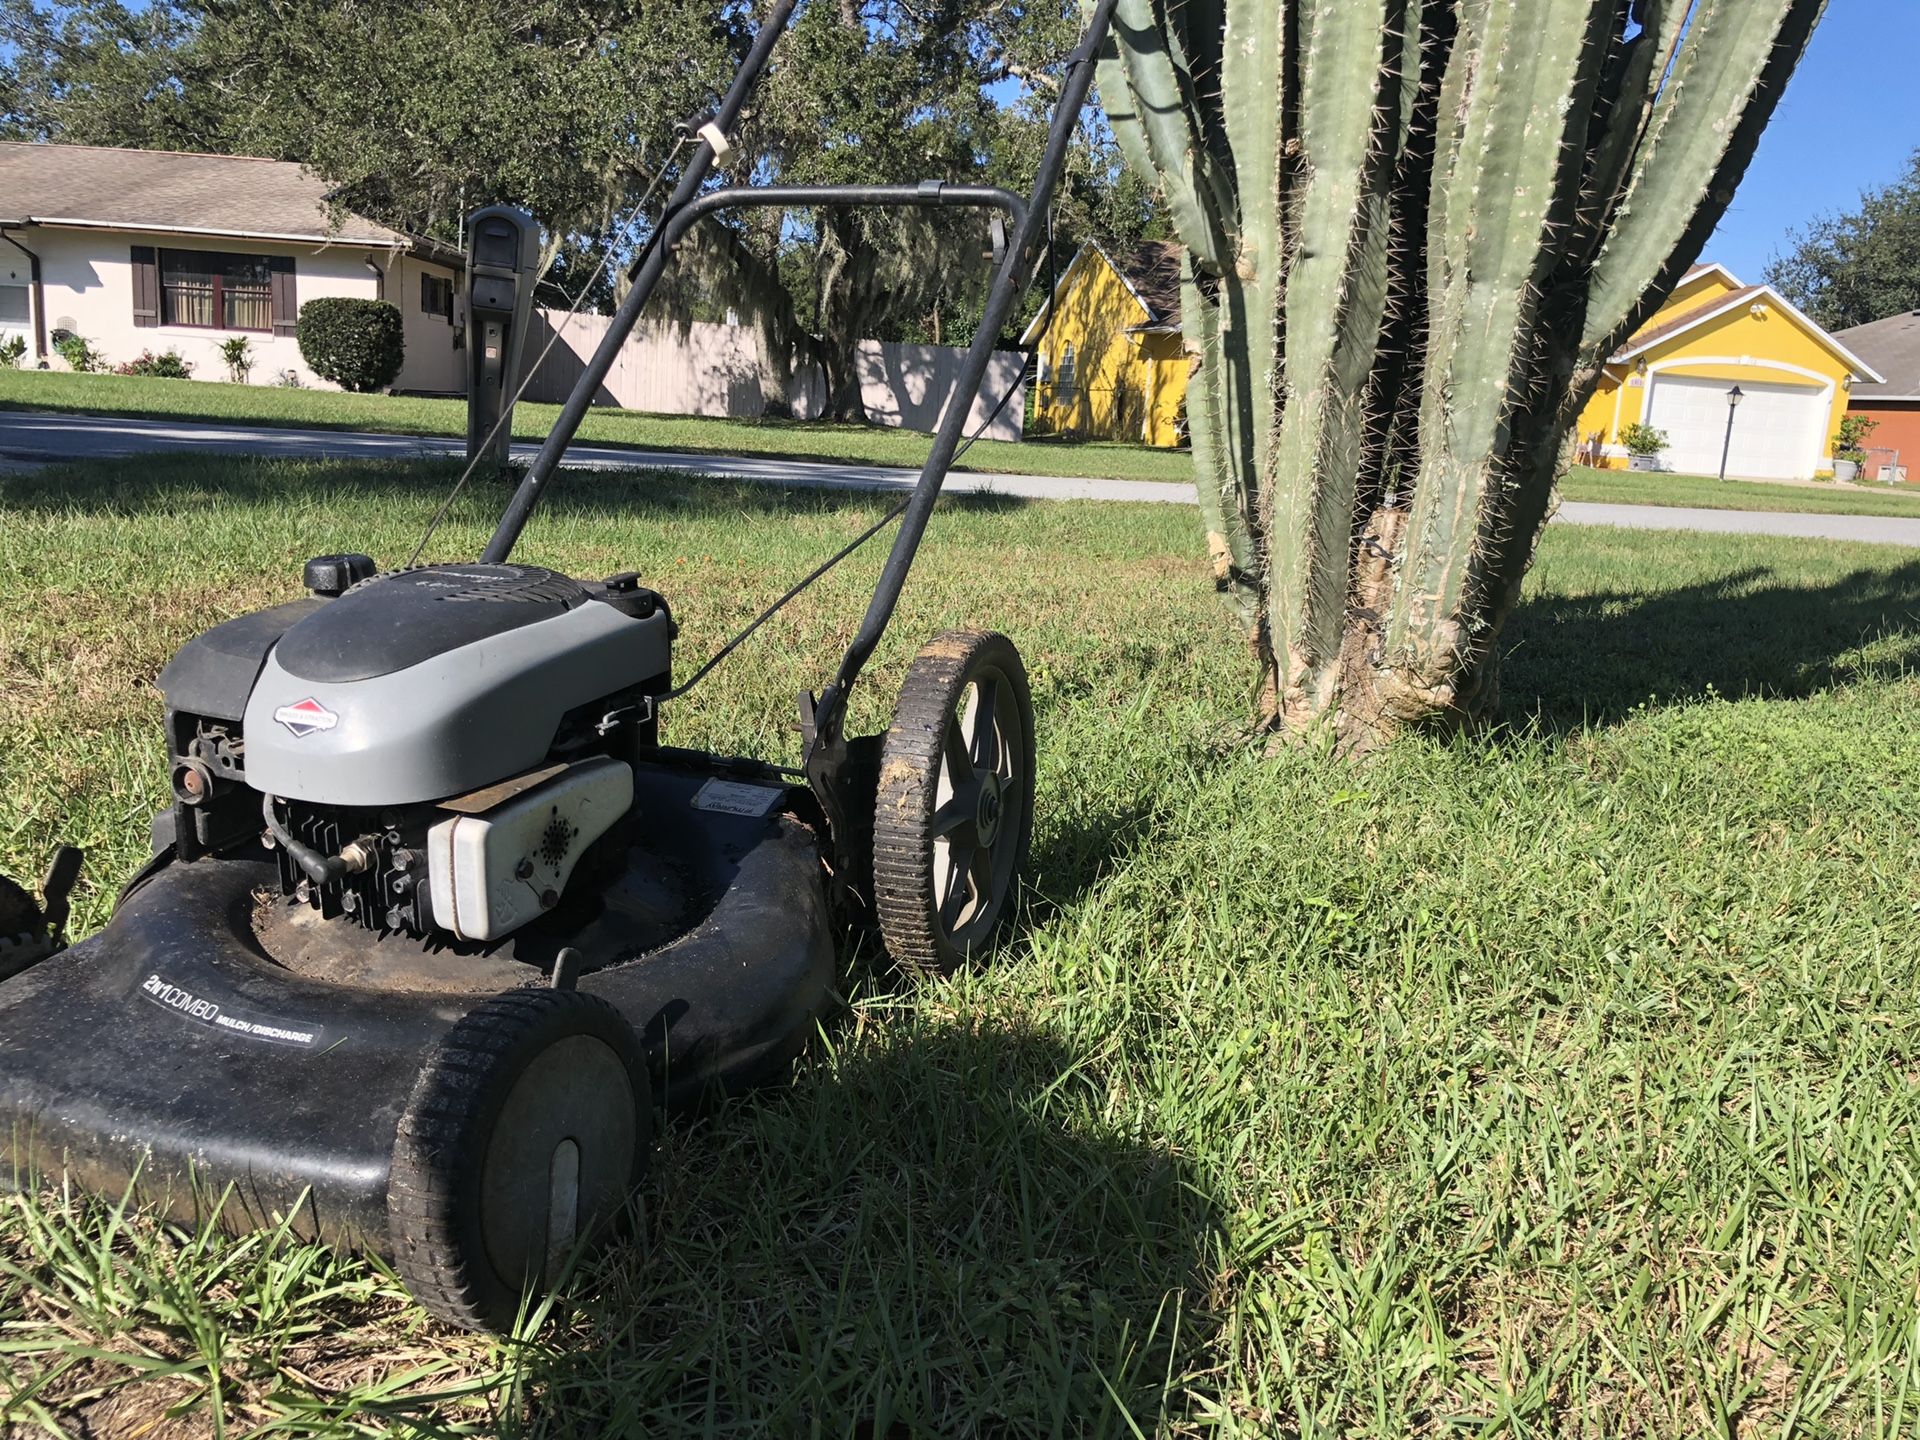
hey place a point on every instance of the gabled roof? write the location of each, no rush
(1708, 267)
(1151, 272)
(1893, 345)
(1720, 305)
(1687, 319)
(229, 195)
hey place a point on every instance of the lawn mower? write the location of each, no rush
(435, 921)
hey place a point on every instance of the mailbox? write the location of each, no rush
(503, 260)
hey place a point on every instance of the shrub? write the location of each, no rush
(165, 366)
(75, 350)
(1850, 443)
(13, 351)
(357, 344)
(1643, 439)
(237, 351)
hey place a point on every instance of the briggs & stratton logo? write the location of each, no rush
(306, 716)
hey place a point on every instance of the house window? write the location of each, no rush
(1067, 381)
(213, 290)
(436, 296)
(14, 308)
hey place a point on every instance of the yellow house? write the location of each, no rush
(1112, 365)
(1678, 371)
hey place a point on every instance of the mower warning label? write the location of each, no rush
(732, 797)
(217, 1016)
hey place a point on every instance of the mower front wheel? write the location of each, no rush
(953, 816)
(527, 1133)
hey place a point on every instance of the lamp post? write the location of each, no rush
(1734, 397)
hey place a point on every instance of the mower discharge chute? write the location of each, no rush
(435, 921)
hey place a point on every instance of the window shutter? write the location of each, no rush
(146, 288)
(286, 302)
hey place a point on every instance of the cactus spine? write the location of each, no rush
(1416, 229)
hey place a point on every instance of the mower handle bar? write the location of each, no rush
(699, 166)
(1023, 254)
(688, 206)
(652, 264)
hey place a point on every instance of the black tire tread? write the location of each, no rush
(435, 1150)
(909, 779)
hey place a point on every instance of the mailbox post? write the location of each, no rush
(503, 256)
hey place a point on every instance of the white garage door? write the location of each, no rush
(1777, 431)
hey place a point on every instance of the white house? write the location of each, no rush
(150, 250)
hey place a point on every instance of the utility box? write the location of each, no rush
(503, 258)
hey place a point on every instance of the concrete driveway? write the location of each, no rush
(28, 438)
(1865, 529)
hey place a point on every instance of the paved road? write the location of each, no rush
(36, 438)
(27, 439)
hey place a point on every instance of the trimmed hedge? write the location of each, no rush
(357, 344)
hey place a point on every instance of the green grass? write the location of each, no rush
(138, 398)
(1626, 487)
(124, 395)
(1561, 1081)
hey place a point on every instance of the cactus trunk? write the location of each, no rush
(1416, 229)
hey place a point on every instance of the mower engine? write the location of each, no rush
(476, 867)
(431, 752)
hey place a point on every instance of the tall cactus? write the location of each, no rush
(1416, 229)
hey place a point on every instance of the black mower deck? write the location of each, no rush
(206, 1038)
(296, 1032)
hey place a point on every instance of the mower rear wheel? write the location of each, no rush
(527, 1132)
(953, 817)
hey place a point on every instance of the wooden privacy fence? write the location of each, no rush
(704, 369)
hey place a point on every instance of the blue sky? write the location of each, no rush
(1847, 123)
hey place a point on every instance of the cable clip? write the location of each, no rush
(716, 139)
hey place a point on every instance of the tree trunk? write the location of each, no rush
(775, 344)
(719, 263)
(846, 271)
(1416, 230)
(844, 401)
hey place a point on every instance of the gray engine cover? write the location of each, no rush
(457, 721)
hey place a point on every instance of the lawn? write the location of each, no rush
(1625, 487)
(1559, 1081)
(127, 396)
(406, 415)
